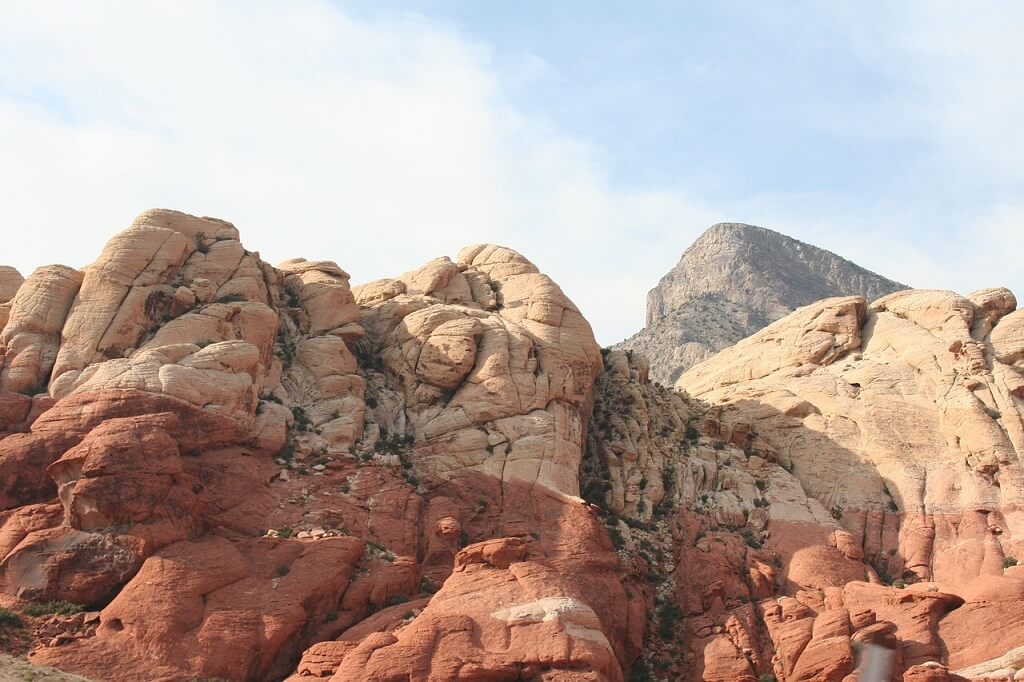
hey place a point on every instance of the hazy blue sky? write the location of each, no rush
(598, 138)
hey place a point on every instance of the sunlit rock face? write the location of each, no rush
(254, 472)
(233, 462)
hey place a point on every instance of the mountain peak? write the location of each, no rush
(732, 281)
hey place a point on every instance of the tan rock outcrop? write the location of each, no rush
(244, 462)
(902, 419)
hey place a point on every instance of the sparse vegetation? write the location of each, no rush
(231, 298)
(640, 672)
(201, 246)
(618, 541)
(302, 422)
(368, 359)
(285, 348)
(9, 618)
(1009, 561)
(692, 434)
(285, 532)
(47, 608)
(752, 540)
(992, 412)
(287, 453)
(395, 444)
(836, 511)
(668, 618)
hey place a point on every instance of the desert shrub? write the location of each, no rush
(1009, 561)
(302, 422)
(231, 298)
(618, 541)
(640, 672)
(752, 540)
(64, 608)
(9, 618)
(668, 618)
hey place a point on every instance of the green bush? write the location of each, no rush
(640, 672)
(668, 618)
(9, 618)
(302, 422)
(618, 541)
(64, 608)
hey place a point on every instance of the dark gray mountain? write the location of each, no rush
(731, 282)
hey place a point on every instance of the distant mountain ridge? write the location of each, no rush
(734, 280)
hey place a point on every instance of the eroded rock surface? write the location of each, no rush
(232, 462)
(248, 472)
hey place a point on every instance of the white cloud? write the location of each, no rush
(383, 143)
(378, 145)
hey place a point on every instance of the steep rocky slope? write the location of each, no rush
(232, 462)
(902, 419)
(212, 468)
(731, 282)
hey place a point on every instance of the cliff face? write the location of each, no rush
(903, 419)
(232, 462)
(731, 282)
(246, 472)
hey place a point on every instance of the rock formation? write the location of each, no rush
(232, 462)
(212, 468)
(731, 282)
(903, 419)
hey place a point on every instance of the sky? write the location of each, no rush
(599, 139)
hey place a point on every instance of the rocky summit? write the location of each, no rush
(733, 281)
(212, 468)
